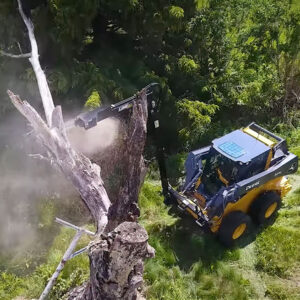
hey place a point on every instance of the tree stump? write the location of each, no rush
(116, 264)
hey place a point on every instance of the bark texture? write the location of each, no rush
(116, 264)
(131, 165)
(116, 259)
(84, 174)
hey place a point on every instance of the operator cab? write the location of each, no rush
(230, 159)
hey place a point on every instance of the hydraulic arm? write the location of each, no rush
(90, 119)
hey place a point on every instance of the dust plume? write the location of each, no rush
(95, 139)
(26, 184)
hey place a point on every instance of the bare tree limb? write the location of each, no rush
(19, 46)
(25, 55)
(67, 256)
(61, 265)
(84, 174)
(67, 224)
(78, 252)
(40, 75)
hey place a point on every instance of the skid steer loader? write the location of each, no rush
(239, 179)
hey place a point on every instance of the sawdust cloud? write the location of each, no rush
(95, 139)
(26, 182)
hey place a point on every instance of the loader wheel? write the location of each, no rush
(264, 209)
(233, 227)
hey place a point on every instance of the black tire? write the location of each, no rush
(264, 209)
(229, 233)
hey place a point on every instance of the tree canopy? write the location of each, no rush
(237, 57)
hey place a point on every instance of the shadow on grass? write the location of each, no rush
(192, 244)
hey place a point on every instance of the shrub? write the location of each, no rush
(93, 101)
(176, 12)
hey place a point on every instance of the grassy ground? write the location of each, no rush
(26, 270)
(189, 264)
(193, 265)
(31, 286)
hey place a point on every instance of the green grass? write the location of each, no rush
(192, 265)
(278, 251)
(75, 272)
(189, 264)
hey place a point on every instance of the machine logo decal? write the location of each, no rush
(252, 185)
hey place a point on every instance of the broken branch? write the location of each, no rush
(84, 174)
(67, 224)
(61, 265)
(25, 55)
(39, 73)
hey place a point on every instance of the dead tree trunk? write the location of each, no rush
(125, 205)
(84, 174)
(116, 259)
(116, 264)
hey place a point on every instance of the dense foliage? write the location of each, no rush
(221, 65)
(232, 61)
